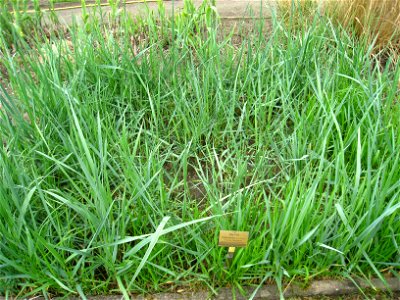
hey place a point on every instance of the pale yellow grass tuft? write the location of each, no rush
(376, 20)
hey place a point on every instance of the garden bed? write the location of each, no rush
(129, 144)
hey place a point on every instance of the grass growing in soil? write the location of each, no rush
(126, 148)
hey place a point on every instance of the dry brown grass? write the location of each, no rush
(376, 20)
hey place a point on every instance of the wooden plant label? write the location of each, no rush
(232, 239)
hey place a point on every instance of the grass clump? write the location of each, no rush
(15, 23)
(125, 149)
(377, 21)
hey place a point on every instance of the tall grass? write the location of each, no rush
(141, 141)
(377, 21)
(15, 23)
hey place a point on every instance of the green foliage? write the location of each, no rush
(125, 149)
(16, 23)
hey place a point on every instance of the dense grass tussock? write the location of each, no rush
(125, 149)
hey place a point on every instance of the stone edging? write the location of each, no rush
(317, 289)
(270, 292)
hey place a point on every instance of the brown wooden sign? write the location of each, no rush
(230, 238)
